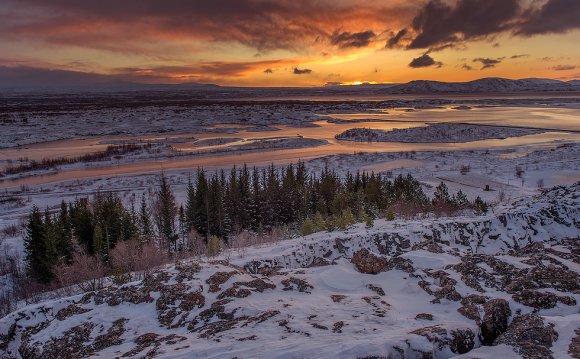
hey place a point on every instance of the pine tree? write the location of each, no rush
(166, 211)
(200, 208)
(461, 200)
(100, 246)
(213, 246)
(480, 206)
(82, 221)
(65, 243)
(35, 248)
(308, 227)
(145, 221)
(441, 194)
(190, 205)
(182, 228)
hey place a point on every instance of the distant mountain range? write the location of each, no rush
(484, 85)
(27, 79)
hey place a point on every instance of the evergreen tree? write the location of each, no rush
(182, 229)
(190, 205)
(82, 224)
(200, 207)
(461, 200)
(213, 246)
(166, 211)
(65, 242)
(441, 194)
(37, 262)
(480, 206)
(145, 221)
(307, 227)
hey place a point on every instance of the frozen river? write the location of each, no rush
(563, 125)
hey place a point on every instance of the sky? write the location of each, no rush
(286, 42)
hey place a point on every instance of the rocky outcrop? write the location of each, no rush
(495, 320)
(368, 263)
(530, 336)
(448, 285)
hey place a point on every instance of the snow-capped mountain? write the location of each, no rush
(484, 85)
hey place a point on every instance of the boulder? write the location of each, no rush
(495, 320)
(529, 336)
(368, 263)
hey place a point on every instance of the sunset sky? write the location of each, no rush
(287, 42)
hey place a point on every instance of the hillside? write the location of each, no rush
(495, 285)
(484, 85)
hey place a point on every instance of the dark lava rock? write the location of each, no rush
(217, 279)
(368, 263)
(337, 298)
(574, 348)
(424, 316)
(401, 264)
(298, 284)
(376, 289)
(495, 320)
(462, 341)
(542, 300)
(470, 311)
(459, 341)
(529, 336)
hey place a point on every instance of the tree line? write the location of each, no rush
(224, 204)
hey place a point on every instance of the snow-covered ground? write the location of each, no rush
(439, 132)
(400, 289)
(305, 296)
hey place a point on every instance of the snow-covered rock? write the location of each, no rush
(443, 281)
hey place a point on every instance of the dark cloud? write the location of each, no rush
(396, 38)
(466, 67)
(297, 71)
(441, 23)
(564, 67)
(438, 23)
(261, 24)
(347, 39)
(487, 62)
(424, 61)
(546, 58)
(519, 56)
(555, 16)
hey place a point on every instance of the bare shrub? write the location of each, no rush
(136, 259)
(11, 268)
(196, 244)
(241, 241)
(407, 210)
(444, 210)
(10, 231)
(501, 196)
(464, 169)
(86, 272)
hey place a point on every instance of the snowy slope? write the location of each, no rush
(441, 290)
(484, 85)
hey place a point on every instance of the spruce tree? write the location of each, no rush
(441, 194)
(166, 211)
(200, 208)
(146, 229)
(190, 205)
(37, 263)
(461, 200)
